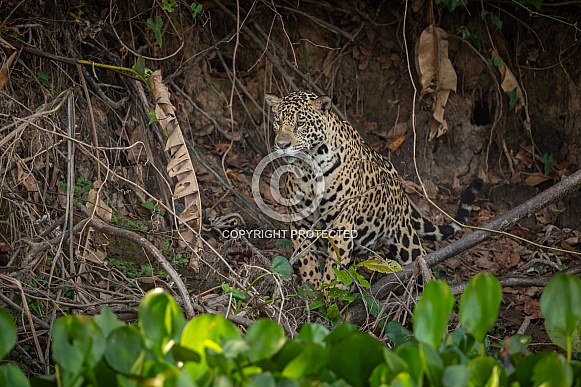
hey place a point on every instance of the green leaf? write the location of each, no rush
(282, 266)
(512, 98)
(107, 321)
(339, 333)
(184, 355)
(355, 357)
(161, 320)
(139, 66)
(283, 243)
(125, 351)
(456, 375)
(432, 364)
(169, 5)
(496, 61)
(381, 266)
(495, 20)
(311, 359)
(196, 9)
(153, 118)
(359, 278)
(479, 304)
(343, 277)
(208, 331)
(156, 25)
(410, 354)
(482, 369)
(11, 375)
(552, 370)
(43, 78)
(8, 329)
(562, 310)
(397, 333)
(265, 338)
(77, 341)
(333, 312)
(316, 304)
(340, 294)
(432, 313)
(313, 333)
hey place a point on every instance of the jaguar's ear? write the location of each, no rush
(272, 100)
(322, 104)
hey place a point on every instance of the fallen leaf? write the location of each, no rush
(506, 259)
(394, 144)
(532, 308)
(5, 70)
(536, 179)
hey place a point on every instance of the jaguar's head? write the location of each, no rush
(300, 122)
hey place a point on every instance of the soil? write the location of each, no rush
(362, 54)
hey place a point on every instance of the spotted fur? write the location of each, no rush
(362, 191)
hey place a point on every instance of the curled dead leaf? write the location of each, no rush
(437, 75)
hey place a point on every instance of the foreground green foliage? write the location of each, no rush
(166, 350)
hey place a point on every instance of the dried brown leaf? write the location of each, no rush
(180, 166)
(5, 70)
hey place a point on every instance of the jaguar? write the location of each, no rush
(347, 189)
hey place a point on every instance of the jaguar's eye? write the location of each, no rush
(300, 124)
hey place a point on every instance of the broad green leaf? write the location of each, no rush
(561, 304)
(139, 66)
(403, 380)
(482, 369)
(282, 266)
(161, 321)
(387, 266)
(355, 357)
(76, 341)
(316, 304)
(552, 370)
(333, 312)
(311, 359)
(479, 304)
(432, 364)
(343, 277)
(432, 313)
(359, 278)
(183, 355)
(395, 363)
(265, 338)
(8, 329)
(456, 375)
(197, 8)
(410, 354)
(262, 380)
(397, 333)
(512, 98)
(169, 5)
(381, 376)
(156, 25)
(339, 333)
(208, 331)
(313, 333)
(107, 321)
(160, 373)
(11, 375)
(125, 351)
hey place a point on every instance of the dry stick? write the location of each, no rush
(557, 192)
(131, 236)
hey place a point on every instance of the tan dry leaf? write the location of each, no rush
(435, 68)
(102, 210)
(4, 71)
(509, 83)
(180, 165)
(437, 75)
(395, 143)
(536, 179)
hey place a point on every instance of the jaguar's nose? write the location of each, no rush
(283, 144)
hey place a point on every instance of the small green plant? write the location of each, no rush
(80, 190)
(548, 162)
(153, 207)
(129, 224)
(156, 25)
(44, 79)
(165, 349)
(196, 9)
